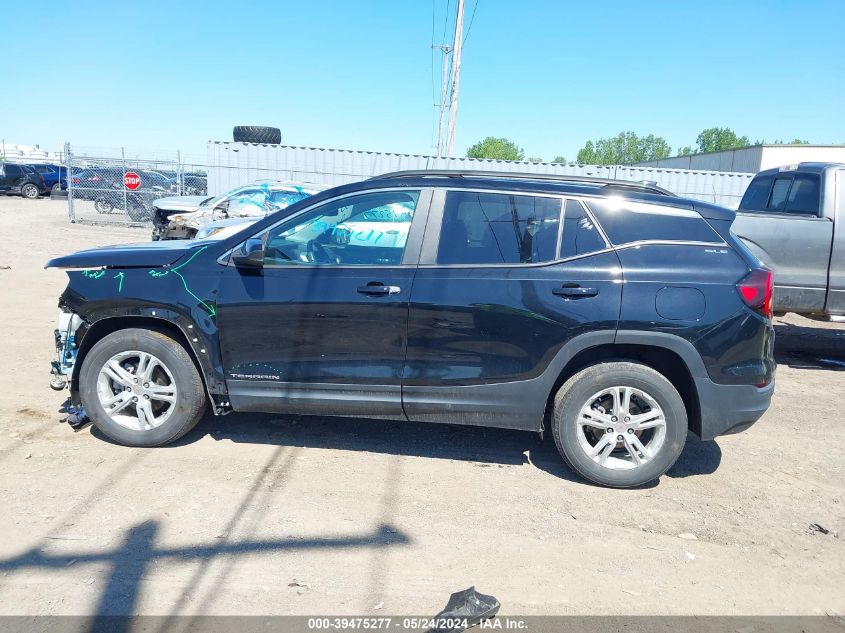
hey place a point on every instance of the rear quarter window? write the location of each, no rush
(627, 221)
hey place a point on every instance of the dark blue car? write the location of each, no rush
(55, 176)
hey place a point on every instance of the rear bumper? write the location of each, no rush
(727, 409)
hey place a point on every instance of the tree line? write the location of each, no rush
(624, 148)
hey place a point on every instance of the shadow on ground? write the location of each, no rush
(482, 446)
(810, 346)
(126, 564)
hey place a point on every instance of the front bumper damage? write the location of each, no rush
(186, 225)
(62, 368)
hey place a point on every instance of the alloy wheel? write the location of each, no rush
(621, 427)
(137, 390)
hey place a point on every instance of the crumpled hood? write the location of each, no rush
(180, 203)
(199, 219)
(145, 255)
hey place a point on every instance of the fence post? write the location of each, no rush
(71, 213)
(180, 175)
(123, 181)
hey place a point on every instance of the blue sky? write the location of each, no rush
(358, 75)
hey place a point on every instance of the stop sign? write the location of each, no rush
(131, 180)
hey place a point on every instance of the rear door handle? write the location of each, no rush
(379, 289)
(572, 291)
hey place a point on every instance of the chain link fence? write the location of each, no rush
(118, 190)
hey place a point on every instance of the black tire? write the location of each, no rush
(190, 396)
(103, 206)
(57, 186)
(138, 213)
(30, 191)
(257, 134)
(577, 391)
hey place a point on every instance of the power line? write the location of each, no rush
(471, 18)
(445, 22)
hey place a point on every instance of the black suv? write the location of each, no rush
(616, 312)
(22, 180)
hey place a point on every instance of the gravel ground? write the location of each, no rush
(277, 515)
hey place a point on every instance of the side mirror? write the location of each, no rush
(250, 255)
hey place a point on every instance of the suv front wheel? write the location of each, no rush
(619, 424)
(141, 388)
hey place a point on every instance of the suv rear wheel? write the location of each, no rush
(619, 424)
(141, 388)
(30, 191)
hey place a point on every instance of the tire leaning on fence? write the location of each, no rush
(257, 134)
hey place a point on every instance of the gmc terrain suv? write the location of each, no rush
(620, 314)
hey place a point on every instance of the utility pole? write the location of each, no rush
(456, 76)
(444, 92)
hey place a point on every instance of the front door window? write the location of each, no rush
(364, 230)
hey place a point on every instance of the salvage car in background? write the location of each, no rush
(191, 184)
(21, 180)
(793, 219)
(180, 217)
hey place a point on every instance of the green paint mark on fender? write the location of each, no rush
(93, 274)
(119, 276)
(212, 311)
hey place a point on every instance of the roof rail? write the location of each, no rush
(649, 187)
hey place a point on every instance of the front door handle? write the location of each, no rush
(375, 289)
(574, 291)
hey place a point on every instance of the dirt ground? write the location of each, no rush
(275, 515)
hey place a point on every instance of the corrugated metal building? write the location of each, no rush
(753, 159)
(234, 164)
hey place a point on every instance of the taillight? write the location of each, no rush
(75, 181)
(756, 289)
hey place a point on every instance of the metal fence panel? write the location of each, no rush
(116, 189)
(234, 164)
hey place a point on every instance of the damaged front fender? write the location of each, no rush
(178, 298)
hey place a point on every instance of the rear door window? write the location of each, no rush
(580, 234)
(494, 228)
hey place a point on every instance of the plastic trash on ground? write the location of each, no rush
(465, 609)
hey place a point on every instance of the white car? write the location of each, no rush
(182, 217)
